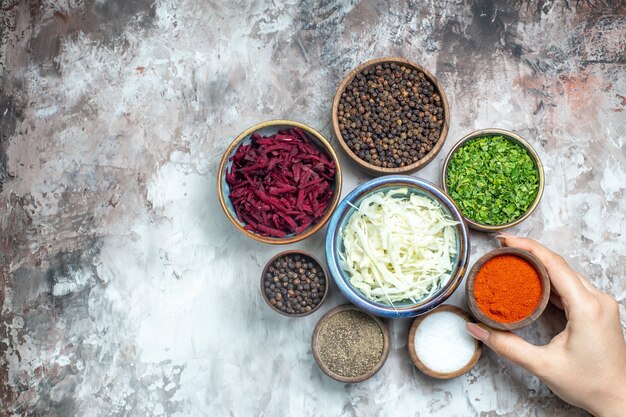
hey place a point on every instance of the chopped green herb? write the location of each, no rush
(492, 179)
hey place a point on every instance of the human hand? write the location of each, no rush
(585, 364)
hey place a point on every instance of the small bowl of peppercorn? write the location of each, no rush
(294, 283)
(390, 116)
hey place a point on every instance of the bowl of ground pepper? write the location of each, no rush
(294, 283)
(507, 289)
(495, 177)
(390, 116)
(350, 345)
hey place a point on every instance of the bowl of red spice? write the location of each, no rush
(279, 181)
(390, 116)
(507, 289)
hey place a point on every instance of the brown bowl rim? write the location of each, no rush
(295, 252)
(366, 166)
(510, 135)
(386, 345)
(331, 207)
(471, 298)
(417, 361)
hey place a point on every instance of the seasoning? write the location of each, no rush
(350, 343)
(388, 252)
(390, 115)
(507, 288)
(294, 284)
(280, 184)
(492, 179)
(442, 344)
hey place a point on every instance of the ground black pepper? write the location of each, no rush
(350, 343)
(390, 115)
(294, 284)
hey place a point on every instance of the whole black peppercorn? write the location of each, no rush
(295, 285)
(381, 119)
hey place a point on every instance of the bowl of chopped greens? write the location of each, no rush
(397, 246)
(279, 181)
(495, 178)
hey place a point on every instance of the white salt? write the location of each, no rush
(442, 343)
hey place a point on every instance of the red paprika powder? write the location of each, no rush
(507, 288)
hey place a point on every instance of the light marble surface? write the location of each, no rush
(124, 289)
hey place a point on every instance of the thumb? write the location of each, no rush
(510, 346)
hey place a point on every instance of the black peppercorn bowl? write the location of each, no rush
(480, 227)
(284, 283)
(369, 166)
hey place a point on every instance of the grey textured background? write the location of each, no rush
(124, 291)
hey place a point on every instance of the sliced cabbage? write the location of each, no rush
(398, 246)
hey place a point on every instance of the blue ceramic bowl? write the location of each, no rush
(334, 245)
(269, 128)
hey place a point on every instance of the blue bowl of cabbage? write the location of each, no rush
(397, 246)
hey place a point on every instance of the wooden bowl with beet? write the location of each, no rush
(390, 116)
(279, 182)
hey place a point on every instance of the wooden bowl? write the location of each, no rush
(325, 369)
(471, 298)
(366, 166)
(269, 128)
(420, 365)
(515, 138)
(294, 252)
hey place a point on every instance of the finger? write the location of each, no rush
(510, 346)
(563, 278)
(589, 286)
(556, 300)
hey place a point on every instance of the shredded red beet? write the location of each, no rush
(280, 184)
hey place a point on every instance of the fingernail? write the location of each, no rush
(477, 332)
(505, 235)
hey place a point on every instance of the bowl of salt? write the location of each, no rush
(440, 346)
